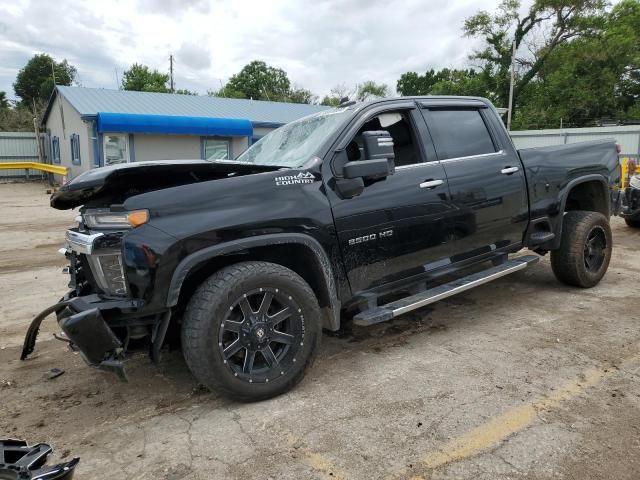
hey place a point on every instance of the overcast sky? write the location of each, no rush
(319, 43)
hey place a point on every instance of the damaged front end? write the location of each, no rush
(97, 315)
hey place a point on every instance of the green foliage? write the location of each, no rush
(18, 119)
(259, 81)
(589, 79)
(547, 25)
(141, 78)
(302, 95)
(412, 83)
(225, 92)
(581, 64)
(184, 91)
(370, 90)
(330, 101)
(35, 80)
(4, 101)
(337, 93)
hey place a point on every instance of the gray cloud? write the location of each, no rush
(320, 43)
(193, 55)
(173, 7)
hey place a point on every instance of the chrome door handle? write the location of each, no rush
(509, 170)
(431, 183)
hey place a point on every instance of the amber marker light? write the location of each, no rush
(138, 217)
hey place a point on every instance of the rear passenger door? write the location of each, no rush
(486, 180)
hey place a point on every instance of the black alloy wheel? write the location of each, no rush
(595, 249)
(261, 335)
(251, 330)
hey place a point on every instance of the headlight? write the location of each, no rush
(110, 220)
(635, 182)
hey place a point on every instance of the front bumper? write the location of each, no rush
(82, 321)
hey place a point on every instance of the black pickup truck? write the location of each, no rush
(368, 211)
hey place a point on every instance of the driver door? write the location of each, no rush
(397, 227)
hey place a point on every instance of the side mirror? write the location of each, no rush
(370, 169)
(378, 144)
(379, 155)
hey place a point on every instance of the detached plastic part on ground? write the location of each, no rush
(19, 461)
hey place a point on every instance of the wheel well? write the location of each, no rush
(590, 196)
(295, 256)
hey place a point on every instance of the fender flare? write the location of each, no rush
(585, 179)
(331, 315)
(563, 200)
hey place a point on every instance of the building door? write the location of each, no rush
(116, 148)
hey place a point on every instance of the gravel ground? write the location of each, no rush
(523, 378)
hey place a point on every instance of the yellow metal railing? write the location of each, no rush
(44, 167)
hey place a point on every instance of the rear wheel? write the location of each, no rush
(585, 249)
(251, 330)
(633, 222)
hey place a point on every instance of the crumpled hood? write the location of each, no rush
(114, 184)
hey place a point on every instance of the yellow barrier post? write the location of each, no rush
(43, 167)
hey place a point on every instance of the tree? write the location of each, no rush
(141, 78)
(369, 90)
(17, 119)
(35, 80)
(184, 91)
(4, 101)
(547, 25)
(336, 94)
(301, 95)
(467, 82)
(225, 92)
(588, 79)
(412, 83)
(260, 81)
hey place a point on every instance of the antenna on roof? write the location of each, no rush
(345, 102)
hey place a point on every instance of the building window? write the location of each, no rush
(116, 148)
(55, 149)
(255, 138)
(215, 149)
(75, 149)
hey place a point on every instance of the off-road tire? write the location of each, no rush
(632, 222)
(210, 305)
(568, 262)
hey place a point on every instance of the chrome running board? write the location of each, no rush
(407, 304)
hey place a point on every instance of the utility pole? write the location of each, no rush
(513, 69)
(171, 72)
(53, 72)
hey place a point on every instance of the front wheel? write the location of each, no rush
(251, 330)
(585, 249)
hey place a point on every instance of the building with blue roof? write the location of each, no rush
(93, 127)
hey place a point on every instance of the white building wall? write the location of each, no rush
(165, 147)
(65, 123)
